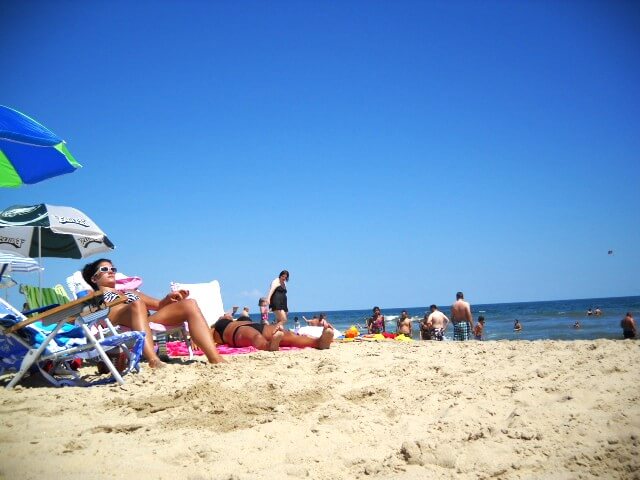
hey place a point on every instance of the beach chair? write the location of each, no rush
(207, 295)
(210, 302)
(47, 344)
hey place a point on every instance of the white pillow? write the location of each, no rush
(208, 297)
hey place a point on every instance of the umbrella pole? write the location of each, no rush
(40, 294)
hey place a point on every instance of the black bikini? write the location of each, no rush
(221, 325)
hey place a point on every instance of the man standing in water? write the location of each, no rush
(403, 325)
(461, 318)
(439, 322)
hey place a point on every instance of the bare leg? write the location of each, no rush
(290, 339)
(281, 317)
(175, 313)
(134, 316)
(274, 343)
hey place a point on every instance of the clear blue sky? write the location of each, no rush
(385, 153)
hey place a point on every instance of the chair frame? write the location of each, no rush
(72, 312)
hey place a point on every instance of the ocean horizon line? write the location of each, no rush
(473, 304)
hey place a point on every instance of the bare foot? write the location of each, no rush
(157, 363)
(274, 344)
(325, 339)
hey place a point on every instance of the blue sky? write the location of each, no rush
(386, 153)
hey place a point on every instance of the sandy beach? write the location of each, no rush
(507, 409)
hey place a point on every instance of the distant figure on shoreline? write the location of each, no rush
(461, 318)
(403, 325)
(425, 328)
(577, 324)
(597, 311)
(589, 312)
(375, 323)
(264, 310)
(517, 326)
(277, 298)
(478, 331)
(628, 325)
(320, 321)
(439, 323)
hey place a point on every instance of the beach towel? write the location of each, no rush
(179, 349)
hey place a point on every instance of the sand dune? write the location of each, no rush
(503, 409)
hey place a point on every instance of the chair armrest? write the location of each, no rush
(26, 313)
(71, 309)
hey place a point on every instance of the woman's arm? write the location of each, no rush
(275, 284)
(155, 304)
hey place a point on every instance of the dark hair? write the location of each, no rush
(284, 272)
(375, 308)
(433, 307)
(481, 318)
(459, 295)
(89, 270)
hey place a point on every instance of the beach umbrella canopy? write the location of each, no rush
(51, 231)
(14, 262)
(30, 152)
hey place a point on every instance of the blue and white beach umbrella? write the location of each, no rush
(13, 262)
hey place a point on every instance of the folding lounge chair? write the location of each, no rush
(26, 342)
(210, 302)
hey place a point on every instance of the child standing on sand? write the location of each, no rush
(264, 310)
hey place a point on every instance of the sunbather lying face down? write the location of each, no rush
(241, 333)
(173, 309)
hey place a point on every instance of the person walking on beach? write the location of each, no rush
(277, 298)
(403, 325)
(439, 323)
(461, 318)
(628, 325)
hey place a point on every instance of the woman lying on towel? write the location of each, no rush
(172, 310)
(243, 333)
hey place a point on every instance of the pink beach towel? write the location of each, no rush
(179, 349)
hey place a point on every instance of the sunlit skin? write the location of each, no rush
(172, 310)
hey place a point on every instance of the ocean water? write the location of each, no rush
(552, 320)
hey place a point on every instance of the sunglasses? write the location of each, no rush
(107, 269)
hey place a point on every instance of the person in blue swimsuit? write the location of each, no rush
(172, 310)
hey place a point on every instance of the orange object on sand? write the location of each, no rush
(352, 332)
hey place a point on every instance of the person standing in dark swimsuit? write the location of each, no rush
(628, 325)
(277, 298)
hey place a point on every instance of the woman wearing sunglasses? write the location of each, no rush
(172, 310)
